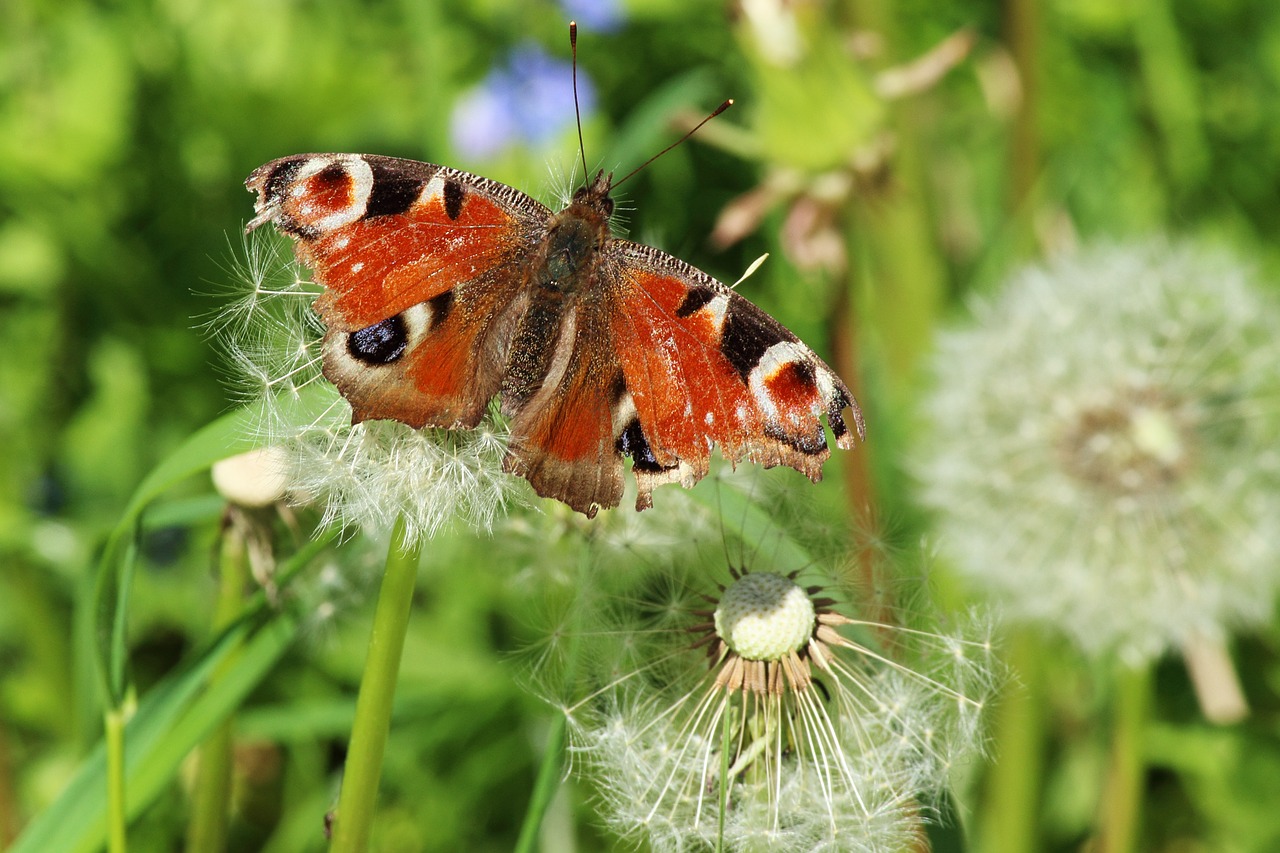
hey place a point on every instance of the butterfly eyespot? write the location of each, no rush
(633, 443)
(381, 343)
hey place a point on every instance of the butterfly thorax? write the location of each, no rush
(573, 237)
(562, 273)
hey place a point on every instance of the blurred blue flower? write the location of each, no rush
(529, 99)
(598, 16)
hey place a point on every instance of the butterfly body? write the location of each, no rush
(561, 272)
(445, 289)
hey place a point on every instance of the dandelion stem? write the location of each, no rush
(1013, 790)
(544, 789)
(8, 796)
(726, 744)
(1022, 29)
(353, 823)
(212, 796)
(1215, 680)
(856, 468)
(1120, 814)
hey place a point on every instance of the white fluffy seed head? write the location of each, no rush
(1103, 448)
(852, 765)
(763, 616)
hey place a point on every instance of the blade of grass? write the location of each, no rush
(207, 831)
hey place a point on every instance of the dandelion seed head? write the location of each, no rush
(1102, 452)
(363, 475)
(816, 740)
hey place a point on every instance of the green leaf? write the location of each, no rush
(231, 434)
(172, 719)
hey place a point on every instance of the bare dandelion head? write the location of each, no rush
(764, 617)
(366, 474)
(1104, 448)
(800, 735)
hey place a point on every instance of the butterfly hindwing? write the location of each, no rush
(563, 436)
(421, 266)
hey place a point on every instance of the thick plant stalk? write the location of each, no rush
(357, 804)
(1120, 815)
(1013, 786)
(1022, 33)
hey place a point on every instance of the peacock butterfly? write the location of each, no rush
(444, 289)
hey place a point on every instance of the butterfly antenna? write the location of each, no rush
(577, 113)
(696, 128)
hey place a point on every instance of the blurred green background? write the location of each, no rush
(126, 131)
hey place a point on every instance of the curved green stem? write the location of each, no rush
(544, 789)
(357, 803)
(726, 745)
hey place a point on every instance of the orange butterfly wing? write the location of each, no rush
(421, 266)
(661, 363)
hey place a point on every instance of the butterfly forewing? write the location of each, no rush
(421, 266)
(702, 365)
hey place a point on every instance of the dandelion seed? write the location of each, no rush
(1103, 452)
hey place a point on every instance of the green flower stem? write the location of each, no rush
(544, 789)
(1120, 815)
(353, 822)
(117, 817)
(1013, 786)
(1022, 34)
(8, 794)
(726, 747)
(212, 796)
(1173, 91)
